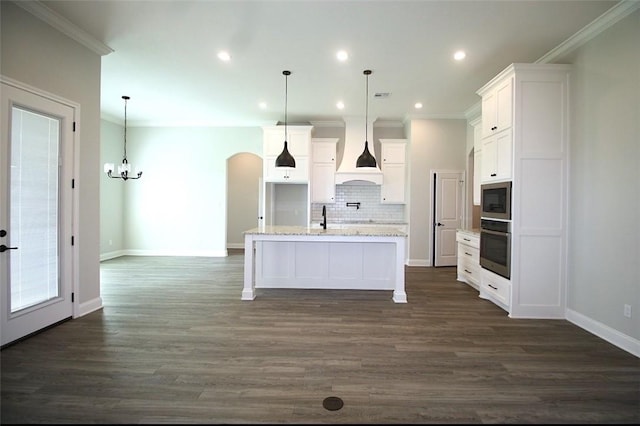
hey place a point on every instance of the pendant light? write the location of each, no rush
(285, 159)
(125, 167)
(366, 159)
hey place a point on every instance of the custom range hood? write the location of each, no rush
(354, 138)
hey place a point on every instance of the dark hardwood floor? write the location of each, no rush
(175, 344)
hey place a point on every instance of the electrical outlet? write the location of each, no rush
(627, 311)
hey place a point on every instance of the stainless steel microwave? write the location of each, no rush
(495, 200)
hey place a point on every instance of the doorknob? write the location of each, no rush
(439, 224)
(4, 248)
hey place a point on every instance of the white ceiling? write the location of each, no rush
(165, 55)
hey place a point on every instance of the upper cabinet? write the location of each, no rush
(323, 170)
(393, 166)
(497, 108)
(497, 120)
(496, 157)
(299, 146)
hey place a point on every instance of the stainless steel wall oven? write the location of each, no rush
(495, 246)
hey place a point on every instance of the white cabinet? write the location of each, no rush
(323, 170)
(298, 141)
(469, 257)
(496, 157)
(529, 146)
(393, 166)
(495, 288)
(497, 108)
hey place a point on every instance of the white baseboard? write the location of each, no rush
(111, 255)
(418, 262)
(235, 245)
(192, 253)
(88, 307)
(605, 332)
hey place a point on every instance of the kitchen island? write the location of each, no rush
(315, 258)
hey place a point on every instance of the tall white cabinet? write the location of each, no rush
(526, 136)
(323, 170)
(394, 169)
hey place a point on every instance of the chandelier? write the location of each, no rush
(125, 168)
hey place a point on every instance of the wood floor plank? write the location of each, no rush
(175, 344)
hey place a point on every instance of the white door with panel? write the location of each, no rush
(447, 216)
(36, 211)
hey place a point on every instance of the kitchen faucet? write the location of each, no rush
(324, 217)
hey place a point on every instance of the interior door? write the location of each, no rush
(36, 168)
(448, 190)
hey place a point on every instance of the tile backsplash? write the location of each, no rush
(370, 207)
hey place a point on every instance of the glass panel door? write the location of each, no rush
(36, 211)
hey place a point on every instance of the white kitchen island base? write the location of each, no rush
(306, 258)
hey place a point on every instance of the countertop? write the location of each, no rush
(472, 231)
(374, 231)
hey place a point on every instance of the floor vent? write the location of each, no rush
(332, 403)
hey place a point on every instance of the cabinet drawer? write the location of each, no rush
(495, 286)
(469, 271)
(469, 253)
(468, 239)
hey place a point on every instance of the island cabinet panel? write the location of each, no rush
(308, 258)
(328, 265)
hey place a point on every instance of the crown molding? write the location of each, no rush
(598, 25)
(65, 26)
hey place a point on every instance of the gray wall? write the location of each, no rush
(34, 53)
(112, 210)
(435, 145)
(244, 171)
(604, 188)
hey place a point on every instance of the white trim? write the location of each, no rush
(112, 255)
(169, 252)
(235, 245)
(88, 307)
(605, 332)
(65, 26)
(75, 198)
(591, 30)
(418, 262)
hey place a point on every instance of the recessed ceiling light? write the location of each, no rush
(342, 55)
(262, 105)
(418, 105)
(223, 55)
(340, 105)
(459, 55)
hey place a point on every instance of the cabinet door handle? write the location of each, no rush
(495, 288)
(468, 254)
(466, 239)
(467, 271)
(493, 174)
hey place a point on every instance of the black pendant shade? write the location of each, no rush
(285, 159)
(366, 159)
